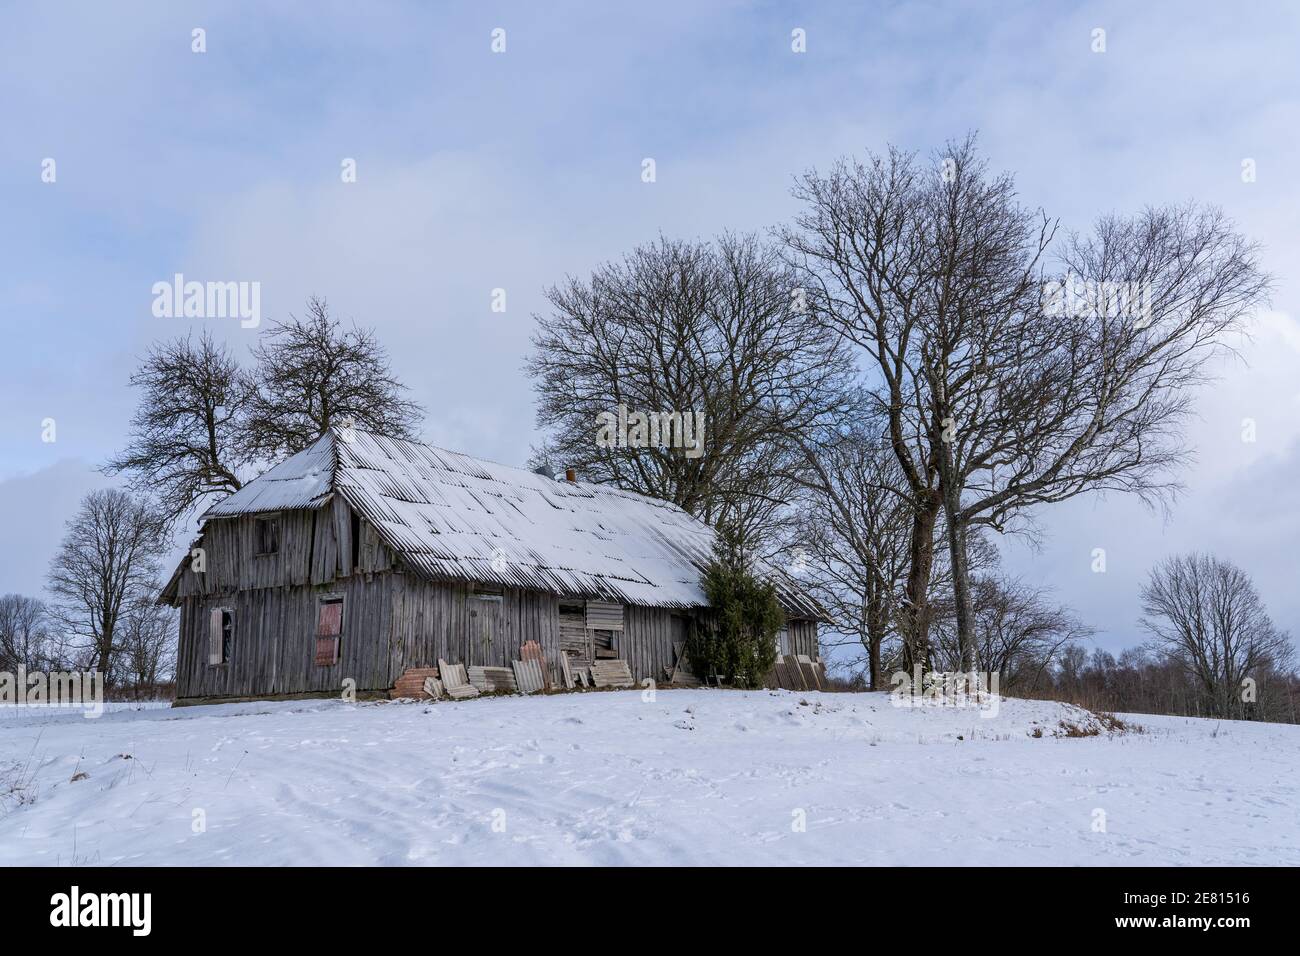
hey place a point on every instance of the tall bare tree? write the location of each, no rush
(712, 329)
(1096, 399)
(1205, 615)
(187, 442)
(859, 247)
(312, 373)
(851, 540)
(24, 637)
(998, 398)
(1020, 633)
(107, 564)
(148, 647)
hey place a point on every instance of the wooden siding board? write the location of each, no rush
(274, 644)
(802, 638)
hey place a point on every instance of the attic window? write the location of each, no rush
(268, 535)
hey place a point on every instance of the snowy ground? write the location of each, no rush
(694, 777)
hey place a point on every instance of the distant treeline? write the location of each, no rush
(1140, 683)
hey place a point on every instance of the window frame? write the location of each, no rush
(272, 519)
(223, 638)
(322, 601)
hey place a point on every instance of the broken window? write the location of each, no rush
(604, 622)
(329, 630)
(221, 635)
(602, 644)
(574, 639)
(268, 535)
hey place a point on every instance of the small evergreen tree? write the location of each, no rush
(735, 641)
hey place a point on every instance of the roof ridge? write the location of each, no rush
(424, 444)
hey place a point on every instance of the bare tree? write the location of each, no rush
(1020, 634)
(710, 329)
(148, 647)
(187, 442)
(999, 399)
(313, 373)
(1096, 399)
(1206, 617)
(23, 633)
(851, 541)
(107, 564)
(1071, 664)
(859, 248)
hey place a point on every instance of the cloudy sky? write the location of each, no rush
(479, 170)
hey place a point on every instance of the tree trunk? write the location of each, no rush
(105, 657)
(916, 613)
(951, 489)
(877, 626)
(961, 592)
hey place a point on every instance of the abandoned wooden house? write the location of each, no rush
(363, 556)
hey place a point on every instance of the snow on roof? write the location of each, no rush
(450, 516)
(304, 480)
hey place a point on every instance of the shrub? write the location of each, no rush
(735, 641)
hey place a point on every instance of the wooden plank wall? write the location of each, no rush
(315, 548)
(432, 621)
(393, 621)
(803, 638)
(275, 638)
(646, 641)
(575, 639)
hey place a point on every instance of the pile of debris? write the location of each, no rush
(533, 674)
(529, 675)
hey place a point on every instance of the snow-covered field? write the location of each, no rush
(692, 777)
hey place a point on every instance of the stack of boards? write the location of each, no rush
(455, 682)
(611, 674)
(493, 680)
(411, 683)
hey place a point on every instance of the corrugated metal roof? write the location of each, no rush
(302, 481)
(450, 516)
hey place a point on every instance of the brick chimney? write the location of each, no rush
(570, 475)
